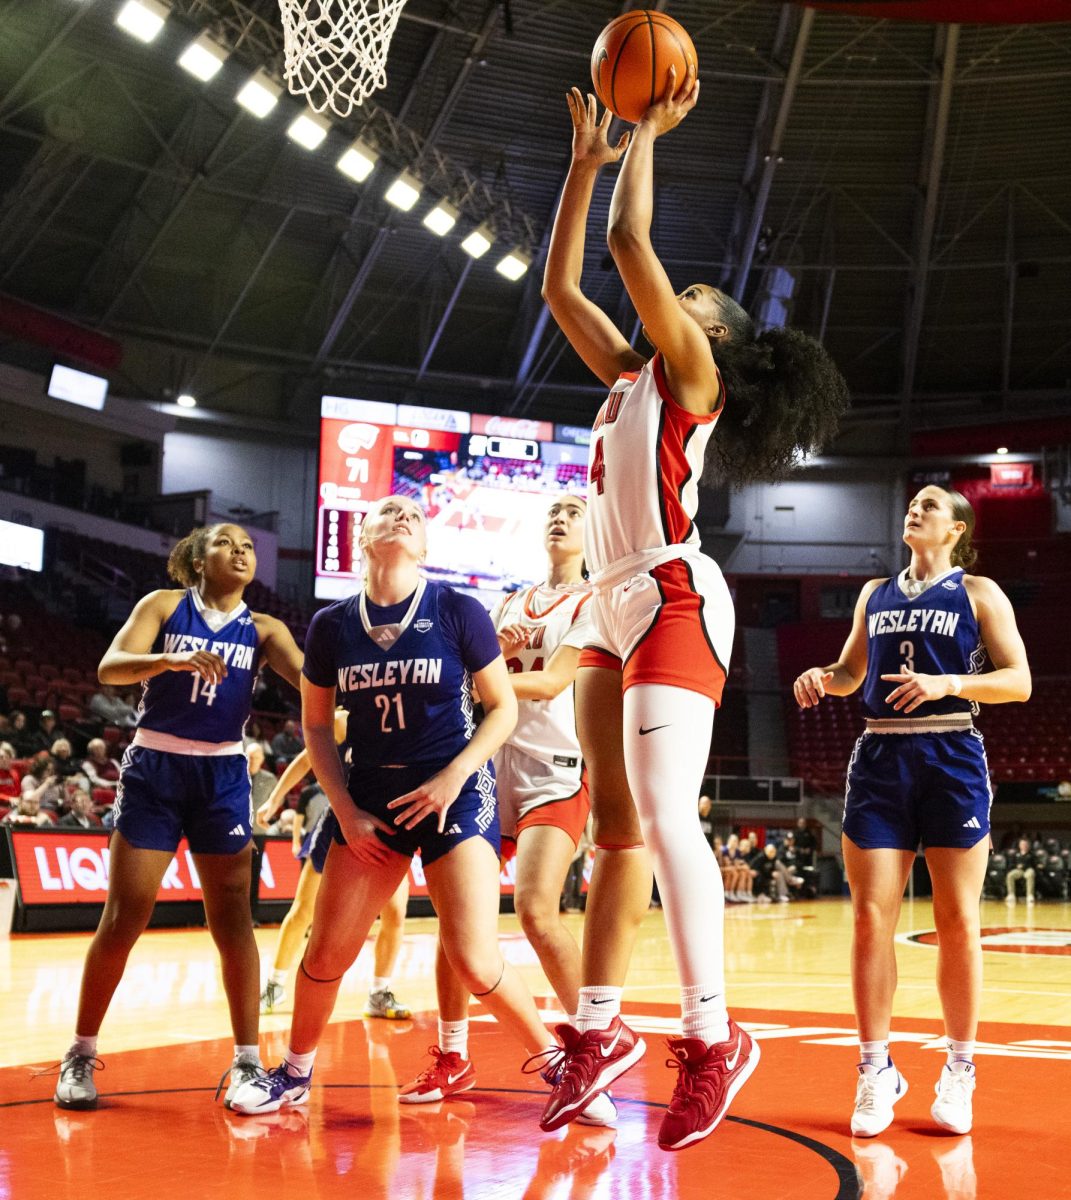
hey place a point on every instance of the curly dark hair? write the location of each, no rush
(784, 398)
(180, 560)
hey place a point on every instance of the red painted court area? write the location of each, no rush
(158, 1131)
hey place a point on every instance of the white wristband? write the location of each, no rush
(957, 685)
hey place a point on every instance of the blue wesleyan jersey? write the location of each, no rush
(181, 703)
(935, 633)
(408, 702)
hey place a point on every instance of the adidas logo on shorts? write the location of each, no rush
(453, 829)
(973, 823)
(237, 831)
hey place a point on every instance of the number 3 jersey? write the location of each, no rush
(644, 464)
(181, 703)
(555, 617)
(934, 633)
(403, 673)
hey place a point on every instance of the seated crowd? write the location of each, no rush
(778, 870)
(1036, 867)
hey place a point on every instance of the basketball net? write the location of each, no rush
(335, 51)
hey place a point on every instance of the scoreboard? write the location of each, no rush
(484, 482)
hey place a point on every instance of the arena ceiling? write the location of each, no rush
(912, 178)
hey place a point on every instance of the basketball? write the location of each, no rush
(631, 59)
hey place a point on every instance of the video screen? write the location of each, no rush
(484, 482)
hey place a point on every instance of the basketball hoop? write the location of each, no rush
(335, 51)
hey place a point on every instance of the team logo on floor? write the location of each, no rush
(1008, 939)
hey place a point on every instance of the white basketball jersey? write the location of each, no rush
(556, 617)
(644, 464)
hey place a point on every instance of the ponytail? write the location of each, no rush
(180, 561)
(784, 399)
(963, 552)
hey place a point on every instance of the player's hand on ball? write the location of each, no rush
(915, 690)
(810, 687)
(210, 667)
(589, 131)
(432, 798)
(677, 102)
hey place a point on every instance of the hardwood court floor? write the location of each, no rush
(158, 1132)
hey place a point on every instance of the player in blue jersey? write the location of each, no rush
(918, 776)
(402, 656)
(196, 653)
(310, 845)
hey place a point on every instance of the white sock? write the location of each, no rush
(703, 1014)
(454, 1037)
(665, 774)
(85, 1045)
(597, 1008)
(299, 1065)
(380, 983)
(959, 1052)
(874, 1054)
(278, 977)
(252, 1052)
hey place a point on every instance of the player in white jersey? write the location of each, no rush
(542, 795)
(647, 691)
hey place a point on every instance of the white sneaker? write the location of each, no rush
(272, 996)
(268, 1091)
(76, 1088)
(242, 1070)
(1009, 900)
(601, 1110)
(1030, 899)
(952, 1108)
(876, 1091)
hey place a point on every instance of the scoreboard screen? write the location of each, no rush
(484, 482)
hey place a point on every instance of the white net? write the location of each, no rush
(336, 50)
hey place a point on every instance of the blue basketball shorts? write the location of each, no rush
(909, 789)
(473, 814)
(317, 842)
(162, 796)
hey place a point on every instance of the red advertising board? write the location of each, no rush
(72, 868)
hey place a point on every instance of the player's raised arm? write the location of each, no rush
(683, 342)
(590, 331)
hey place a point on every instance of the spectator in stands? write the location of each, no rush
(287, 743)
(43, 784)
(806, 844)
(774, 880)
(1021, 862)
(66, 764)
(28, 812)
(111, 708)
(735, 873)
(706, 823)
(254, 735)
(80, 814)
(101, 770)
(21, 736)
(261, 781)
(283, 825)
(10, 782)
(44, 735)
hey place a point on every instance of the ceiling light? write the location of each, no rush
(514, 264)
(1002, 449)
(186, 401)
(260, 94)
(142, 19)
(442, 218)
(479, 241)
(308, 130)
(203, 58)
(404, 192)
(358, 161)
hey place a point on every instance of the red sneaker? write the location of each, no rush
(710, 1076)
(447, 1075)
(593, 1060)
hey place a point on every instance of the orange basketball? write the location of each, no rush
(631, 60)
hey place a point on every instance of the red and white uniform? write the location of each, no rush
(540, 764)
(662, 611)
